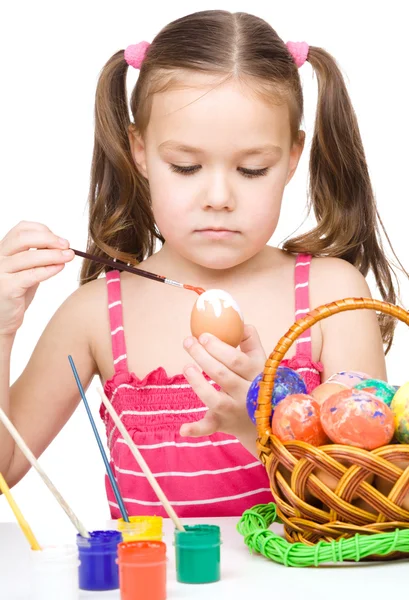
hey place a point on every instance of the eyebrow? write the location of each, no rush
(180, 147)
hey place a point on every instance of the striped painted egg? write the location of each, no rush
(348, 378)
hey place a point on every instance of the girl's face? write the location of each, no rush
(217, 159)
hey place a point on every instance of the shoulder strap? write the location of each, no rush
(116, 321)
(302, 302)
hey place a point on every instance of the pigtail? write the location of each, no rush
(340, 191)
(121, 223)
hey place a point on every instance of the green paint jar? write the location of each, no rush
(198, 554)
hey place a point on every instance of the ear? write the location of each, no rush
(138, 150)
(295, 155)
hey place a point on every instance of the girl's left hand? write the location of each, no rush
(233, 369)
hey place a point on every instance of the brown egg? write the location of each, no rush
(308, 497)
(385, 486)
(331, 482)
(216, 312)
(325, 390)
(327, 479)
(363, 505)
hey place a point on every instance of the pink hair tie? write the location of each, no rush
(299, 52)
(135, 54)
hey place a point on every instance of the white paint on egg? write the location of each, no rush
(219, 299)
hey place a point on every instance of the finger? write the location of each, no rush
(34, 258)
(202, 387)
(24, 280)
(220, 373)
(251, 344)
(15, 285)
(206, 426)
(34, 225)
(39, 236)
(207, 393)
(217, 359)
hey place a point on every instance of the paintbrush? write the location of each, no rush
(112, 479)
(25, 527)
(34, 463)
(141, 462)
(121, 266)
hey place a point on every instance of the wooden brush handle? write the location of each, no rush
(141, 461)
(263, 412)
(34, 463)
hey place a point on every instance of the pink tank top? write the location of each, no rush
(209, 476)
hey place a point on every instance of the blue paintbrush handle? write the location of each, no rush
(101, 447)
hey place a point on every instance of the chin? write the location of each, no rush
(218, 261)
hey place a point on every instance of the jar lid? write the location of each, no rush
(140, 525)
(142, 551)
(99, 539)
(198, 536)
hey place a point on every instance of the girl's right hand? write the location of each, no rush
(29, 254)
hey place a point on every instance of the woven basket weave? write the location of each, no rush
(310, 510)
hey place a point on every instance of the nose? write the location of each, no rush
(219, 195)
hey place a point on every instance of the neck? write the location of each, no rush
(174, 266)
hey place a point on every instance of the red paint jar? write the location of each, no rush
(142, 570)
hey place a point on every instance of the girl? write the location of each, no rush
(199, 170)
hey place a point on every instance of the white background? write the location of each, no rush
(51, 54)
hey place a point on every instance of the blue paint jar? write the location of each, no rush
(98, 570)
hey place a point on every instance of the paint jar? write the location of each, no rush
(98, 569)
(198, 554)
(55, 573)
(142, 570)
(141, 528)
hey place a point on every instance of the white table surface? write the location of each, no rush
(243, 575)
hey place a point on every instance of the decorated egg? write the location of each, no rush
(252, 396)
(385, 486)
(348, 378)
(286, 382)
(216, 312)
(325, 390)
(357, 418)
(378, 388)
(400, 409)
(297, 417)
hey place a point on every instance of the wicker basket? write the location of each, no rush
(310, 511)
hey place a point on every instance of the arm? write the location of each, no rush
(45, 395)
(6, 441)
(350, 340)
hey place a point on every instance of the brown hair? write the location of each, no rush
(121, 223)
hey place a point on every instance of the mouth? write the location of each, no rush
(217, 232)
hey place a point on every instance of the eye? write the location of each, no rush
(250, 173)
(191, 169)
(185, 170)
